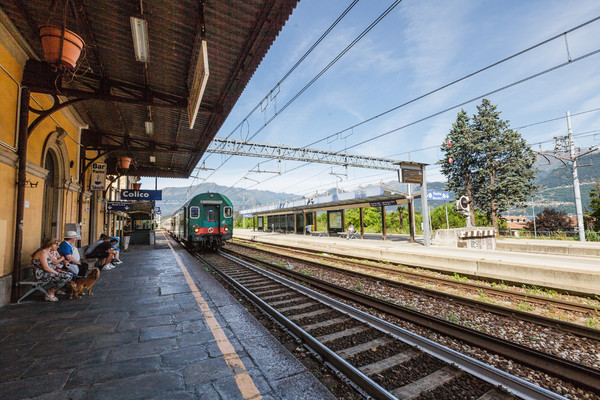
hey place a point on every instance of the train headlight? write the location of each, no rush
(226, 229)
(196, 229)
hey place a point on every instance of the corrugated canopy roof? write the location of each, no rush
(121, 93)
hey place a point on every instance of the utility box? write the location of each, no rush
(73, 227)
(469, 238)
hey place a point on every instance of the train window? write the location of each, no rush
(227, 212)
(210, 215)
(194, 212)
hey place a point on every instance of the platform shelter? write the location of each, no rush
(300, 216)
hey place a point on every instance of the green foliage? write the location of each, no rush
(455, 218)
(491, 163)
(595, 206)
(551, 220)
(592, 236)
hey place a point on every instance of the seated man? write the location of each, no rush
(116, 251)
(104, 253)
(93, 246)
(350, 231)
(68, 250)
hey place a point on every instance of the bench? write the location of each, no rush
(317, 233)
(90, 260)
(35, 285)
(353, 235)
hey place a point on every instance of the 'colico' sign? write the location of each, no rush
(141, 195)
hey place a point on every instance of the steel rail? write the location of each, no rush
(355, 375)
(564, 326)
(564, 369)
(562, 304)
(494, 376)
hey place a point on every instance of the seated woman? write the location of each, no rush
(44, 270)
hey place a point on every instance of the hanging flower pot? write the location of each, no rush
(136, 186)
(60, 49)
(123, 162)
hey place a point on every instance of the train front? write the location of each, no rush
(211, 220)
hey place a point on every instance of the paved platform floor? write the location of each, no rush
(152, 330)
(573, 273)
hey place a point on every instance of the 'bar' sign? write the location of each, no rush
(141, 195)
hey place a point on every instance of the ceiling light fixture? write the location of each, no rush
(198, 84)
(139, 32)
(152, 159)
(149, 127)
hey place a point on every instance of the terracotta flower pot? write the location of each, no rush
(124, 162)
(136, 186)
(51, 36)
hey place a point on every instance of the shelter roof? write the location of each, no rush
(122, 94)
(371, 197)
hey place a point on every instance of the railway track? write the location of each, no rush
(380, 359)
(570, 371)
(305, 255)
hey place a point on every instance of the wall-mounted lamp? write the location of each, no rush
(152, 159)
(149, 127)
(71, 164)
(139, 32)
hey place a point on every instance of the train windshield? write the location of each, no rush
(194, 212)
(210, 215)
(227, 212)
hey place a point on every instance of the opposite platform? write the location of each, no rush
(579, 274)
(157, 327)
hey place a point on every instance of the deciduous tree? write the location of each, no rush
(551, 220)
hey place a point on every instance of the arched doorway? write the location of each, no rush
(51, 197)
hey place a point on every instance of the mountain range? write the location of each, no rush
(554, 178)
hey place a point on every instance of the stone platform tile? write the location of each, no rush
(35, 386)
(147, 386)
(97, 373)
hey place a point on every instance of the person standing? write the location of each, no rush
(127, 236)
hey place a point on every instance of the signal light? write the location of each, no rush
(450, 160)
(448, 143)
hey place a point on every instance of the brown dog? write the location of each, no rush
(78, 287)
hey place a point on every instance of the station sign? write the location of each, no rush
(117, 206)
(438, 195)
(409, 175)
(141, 195)
(383, 203)
(98, 179)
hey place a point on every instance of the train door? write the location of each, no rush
(212, 218)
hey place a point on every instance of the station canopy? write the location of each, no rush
(123, 95)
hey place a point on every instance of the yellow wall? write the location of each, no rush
(8, 177)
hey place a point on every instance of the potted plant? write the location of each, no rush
(61, 46)
(136, 186)
(123, 162)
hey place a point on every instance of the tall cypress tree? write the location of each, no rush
(595, 205)
(491, 163)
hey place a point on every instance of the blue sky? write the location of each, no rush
(418, 47)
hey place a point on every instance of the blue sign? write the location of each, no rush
(157, 211)
(117, 206)
(141, 195)
(438, 195)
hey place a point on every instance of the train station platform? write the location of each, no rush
(158, 326)
(530, 265)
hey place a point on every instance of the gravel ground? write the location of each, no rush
(571, 347)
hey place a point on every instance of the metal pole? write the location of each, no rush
(576, 189)
(533, 211)
(425, 209)
(22, 177)
(447, 222)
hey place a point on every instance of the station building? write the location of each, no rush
(134, 92)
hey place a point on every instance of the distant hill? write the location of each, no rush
(174, 197)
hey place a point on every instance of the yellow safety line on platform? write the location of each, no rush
(243, 380)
